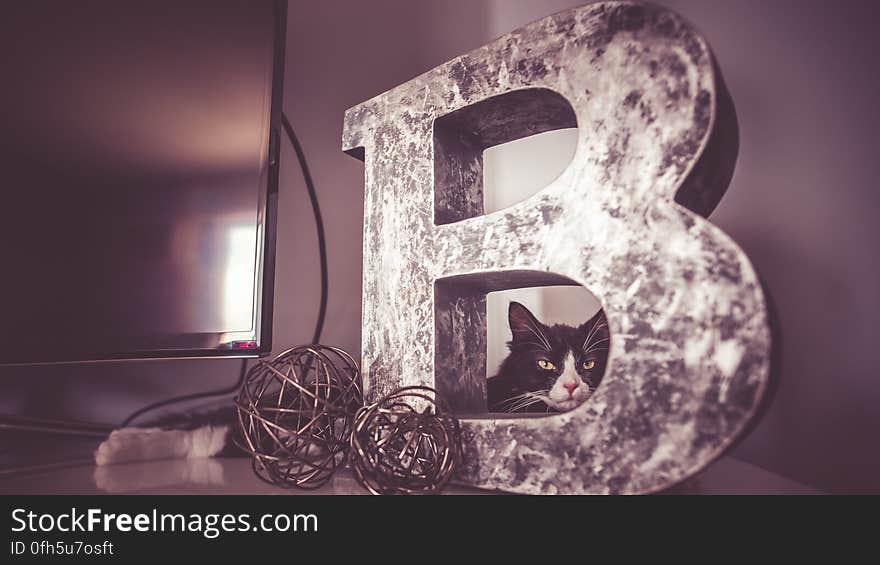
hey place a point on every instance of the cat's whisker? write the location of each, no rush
(538, 334)
(589, 334)
(590, 338)
(521, 395)
(517, 398)
(520, 406)
(595, 347)
(541, 345)
(524, 404)
(524, 400)
(511, 402)
(513, 407)
(536, 400)
(596, 327)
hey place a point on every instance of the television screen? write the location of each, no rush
(139, 178)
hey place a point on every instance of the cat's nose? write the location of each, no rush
(570, 386)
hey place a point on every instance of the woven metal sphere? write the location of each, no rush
(295, 415)
(405, 443)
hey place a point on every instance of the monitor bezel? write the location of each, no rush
(264, 290)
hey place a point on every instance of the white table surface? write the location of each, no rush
(728, 475)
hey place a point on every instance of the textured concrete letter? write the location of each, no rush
(656, 148)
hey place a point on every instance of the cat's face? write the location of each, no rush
(559, 365)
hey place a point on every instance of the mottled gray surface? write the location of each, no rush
(688, 362)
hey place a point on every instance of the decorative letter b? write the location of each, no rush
(689, 355)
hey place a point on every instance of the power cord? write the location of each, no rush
(322, 252)
(319, 223)
(220, 392)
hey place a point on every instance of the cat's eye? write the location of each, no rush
(587, 365)
(546, 365)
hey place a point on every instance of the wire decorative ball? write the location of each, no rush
(399, 449)
(296, 412)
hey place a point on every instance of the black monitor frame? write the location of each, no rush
(203, 346)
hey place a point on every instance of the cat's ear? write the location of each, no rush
(524, 326)
(595, 328)
(597, 319)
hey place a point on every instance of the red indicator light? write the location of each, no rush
(244, 344)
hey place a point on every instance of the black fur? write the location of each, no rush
(532, 341)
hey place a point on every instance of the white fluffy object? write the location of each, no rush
(148, 444)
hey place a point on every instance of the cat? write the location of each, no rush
(549, 368)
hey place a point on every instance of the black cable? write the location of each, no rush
(176, 399)
(322, 252)
(319, 223)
